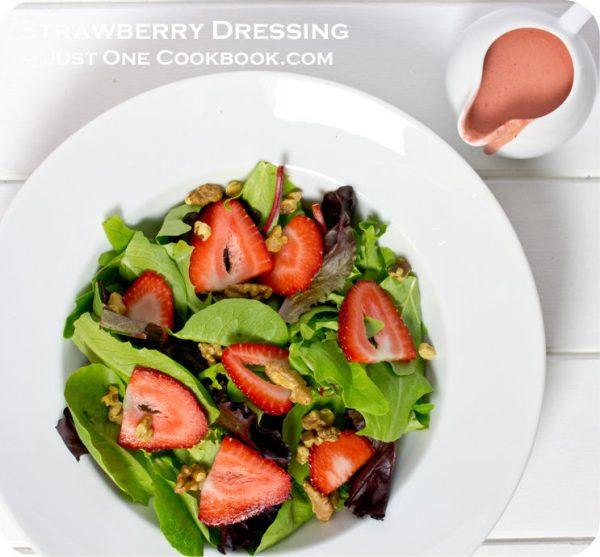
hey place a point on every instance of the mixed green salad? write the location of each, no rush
(252, 364)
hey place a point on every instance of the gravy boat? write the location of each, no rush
(465, 69)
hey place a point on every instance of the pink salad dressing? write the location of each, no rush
(527, 73)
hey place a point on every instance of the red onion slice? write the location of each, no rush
(274, 214)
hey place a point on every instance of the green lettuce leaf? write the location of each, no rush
(402, 393)
(99, 346)
(83, 304)
(327, 365)
(180, 253)
(259, 189)
(173, 225)
(129, 470)
(203, 453)
(372, 261)
(295, 512)
(236, 320)
(118, 233)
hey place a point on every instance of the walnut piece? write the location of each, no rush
(282, 374)
(276, 240)
(318, 419)
(190, 478)
(114, 405)
(144, 430)
(202, 230)
(328, 434)
(426, 351)
(401, 269)
(248, 290)
(205, 194)
(302, 454)
(290, 204)
(321, 505)
(234, 188)
(210, 352)
(116, 303)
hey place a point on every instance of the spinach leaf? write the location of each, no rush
(180, 253)
(295, 512)
(141, 255)
(328, 366)
(118, 233)
(174, 224)
(128, 469)
(259, 189)
(101, 347)
(237, 320)
(401, 393)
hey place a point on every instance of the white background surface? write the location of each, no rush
(396, 51)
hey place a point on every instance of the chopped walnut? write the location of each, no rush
(190, 478)
(144, 430)
(202, 230)
(318, 419)
(310, 438)
(276, 240)
(290, 203)
(426, 351)
(302, 454)
(210, 352)
(234, 188)
(205, 194)
(116, 303)
(248, 290)
(282, 374)
(328, 433)
(114, 405)
(321, 505)
(401, 269)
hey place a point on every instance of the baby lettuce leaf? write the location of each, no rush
(329, 367)
(68, 433)
(295, 512)
(118, 233)
(236, 320)
(259, 189)
(176, 223)
(177, 512)
(203, 453)
(180, 253)
(129, 470)
(101, 347)
(248, 533)
(402, 393)
(370, 487)
(372, 261)
(141, 255)
(83, 304)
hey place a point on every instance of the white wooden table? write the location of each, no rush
(397, 51)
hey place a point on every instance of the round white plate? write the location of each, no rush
(479, 299)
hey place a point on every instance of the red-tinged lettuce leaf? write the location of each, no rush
(66, 429)
(339, 248)
(370, 487)
(265, 436)
(248, 533)
(123, 325)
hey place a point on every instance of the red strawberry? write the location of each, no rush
(235, 252)
(393, 343)
(298, 261)
(269, 397)
(241, 484)
(150, 299)
(170, 409)
(333, 462)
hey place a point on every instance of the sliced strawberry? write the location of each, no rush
(333, 462)
(319, 218)
(234, 253)
(393, 343)
(269, 397)
(241, 484)
(299, 259)
(150, 299)
(168, 408)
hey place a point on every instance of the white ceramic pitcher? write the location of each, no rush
(544, 134)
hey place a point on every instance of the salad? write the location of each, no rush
(251, 364)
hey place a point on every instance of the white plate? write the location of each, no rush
(479, 300)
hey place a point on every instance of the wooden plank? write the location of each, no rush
(388, 53)
(558, 223)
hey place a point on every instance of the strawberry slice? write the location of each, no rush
(150, 300)
(393, 343)
(333, 462)
(234, 253)
(299, 259)
(269, 397)
(241, 484)
(160, 413)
